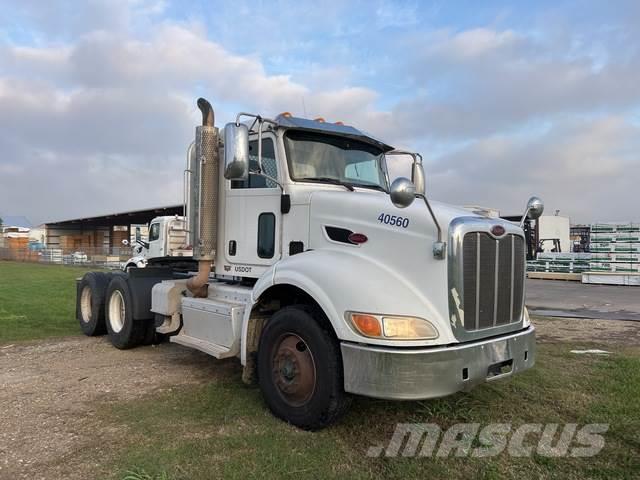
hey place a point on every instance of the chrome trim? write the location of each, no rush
(477, 283)
(458, 228)
(495, 283)
(414, 374)
(513, 257)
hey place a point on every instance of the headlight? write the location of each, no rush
(392, 327)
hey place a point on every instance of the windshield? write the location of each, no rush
(317, 157)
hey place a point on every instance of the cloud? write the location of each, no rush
(97, 98)
(574, 165)
(103, 123)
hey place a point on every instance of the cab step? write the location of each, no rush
(212, 325)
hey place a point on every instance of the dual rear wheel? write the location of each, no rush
(104, 305)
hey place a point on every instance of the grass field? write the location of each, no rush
(223, 429)
(37, 301)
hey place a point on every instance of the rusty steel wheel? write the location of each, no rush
(299, 368)
(294, 370)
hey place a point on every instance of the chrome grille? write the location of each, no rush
(493, 280)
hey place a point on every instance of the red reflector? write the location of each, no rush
(357, 238)
(497, 230)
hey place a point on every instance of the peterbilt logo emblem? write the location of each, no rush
(497, 230)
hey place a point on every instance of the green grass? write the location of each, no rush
(223, 430)
(37, 301)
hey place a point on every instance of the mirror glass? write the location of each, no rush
(236, 151)
(417, 177)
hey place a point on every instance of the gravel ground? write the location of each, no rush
(51, 391)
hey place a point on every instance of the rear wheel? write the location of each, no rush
(300, 369)
(90, 303)
(123, 331)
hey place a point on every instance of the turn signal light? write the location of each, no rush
(319, 119)
(285, 114)
(367, 324)
(339, 123)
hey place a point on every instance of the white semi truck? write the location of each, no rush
(167, 242)
(324, 279)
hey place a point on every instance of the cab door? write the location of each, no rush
(156, 241)
(252, 215)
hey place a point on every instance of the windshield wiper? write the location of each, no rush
(333, 181)
(369, 185)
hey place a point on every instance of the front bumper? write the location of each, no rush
(408, 374)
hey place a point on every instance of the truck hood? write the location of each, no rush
(399, 243)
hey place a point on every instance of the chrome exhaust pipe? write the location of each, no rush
(204, 198)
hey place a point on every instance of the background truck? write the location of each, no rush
(167, 243)
(323, 277)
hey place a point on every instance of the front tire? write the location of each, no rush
(90, 303)
(123, 331)
(300, 369)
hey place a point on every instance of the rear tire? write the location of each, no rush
(90, 303)
(300, 369)
(123, 331)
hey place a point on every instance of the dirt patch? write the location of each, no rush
(589, 331)
(50, 392)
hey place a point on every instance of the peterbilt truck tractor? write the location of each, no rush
(322, 277)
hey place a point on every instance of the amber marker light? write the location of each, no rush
(367, 325)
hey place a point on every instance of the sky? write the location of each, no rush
(503, 99)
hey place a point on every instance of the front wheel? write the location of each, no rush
(300, 369)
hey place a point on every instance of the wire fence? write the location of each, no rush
(114, 258)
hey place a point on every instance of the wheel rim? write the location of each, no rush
(85, 304)
(294, 371)
(116, 311)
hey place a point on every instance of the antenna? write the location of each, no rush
(304, 108)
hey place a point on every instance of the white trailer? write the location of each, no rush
(324, 278)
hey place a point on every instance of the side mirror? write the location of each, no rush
(535, 207)
(236, 151)
(403, 192)
(417, 177)
(534, 210)
(138, 235)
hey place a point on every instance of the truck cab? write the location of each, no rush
(327, 278)
(167, 240)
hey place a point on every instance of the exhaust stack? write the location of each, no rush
(203, 210)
